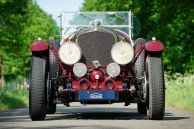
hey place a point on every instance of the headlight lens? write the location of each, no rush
(69, 53)
(113, 69)
(79, 69)
(122, 53)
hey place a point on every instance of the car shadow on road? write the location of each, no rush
(112, 114)
(170, 116)
(99, 116)
(80, 113)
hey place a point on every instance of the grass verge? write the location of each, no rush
(180, 92)
(13, 98)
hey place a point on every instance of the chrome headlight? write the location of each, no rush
(69, 53)
(113, 69)
(79, 69)
(122, 53)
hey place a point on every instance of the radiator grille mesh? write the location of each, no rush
(96, 46)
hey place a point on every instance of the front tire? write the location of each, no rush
(156, 87)
(139, 71)
(53, 68)
(139, 64)
(141, 108)
(37, 91)
(51, 108)
(53, 64)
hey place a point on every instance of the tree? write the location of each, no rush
(170, 21)
(21, 22)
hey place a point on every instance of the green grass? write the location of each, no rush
(180, 92)
(13, 98)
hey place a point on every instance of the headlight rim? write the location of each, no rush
(80, 51)
(131, 47)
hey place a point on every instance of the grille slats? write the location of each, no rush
(96, 46)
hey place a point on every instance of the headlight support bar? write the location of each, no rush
(54, 50)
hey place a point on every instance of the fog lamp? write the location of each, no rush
(79, 69)
(113, 69)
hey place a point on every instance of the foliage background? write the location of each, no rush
(21, 22)
(171, 21)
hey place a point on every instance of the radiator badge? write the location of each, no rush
(96, 63)
(96, 96)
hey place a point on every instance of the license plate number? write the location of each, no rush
(96, 95)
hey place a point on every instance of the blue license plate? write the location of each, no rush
(91, 95)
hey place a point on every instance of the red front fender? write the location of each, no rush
(39, 46)
(154, 46)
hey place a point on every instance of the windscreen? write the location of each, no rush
(124, 21)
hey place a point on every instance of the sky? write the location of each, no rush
(54, 7)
